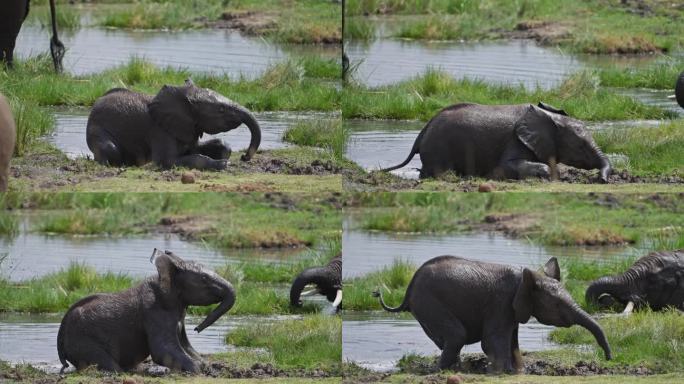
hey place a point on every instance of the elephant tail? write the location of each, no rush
(60, 346)
(404, 307)
(415, 149)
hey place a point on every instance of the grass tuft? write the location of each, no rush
(330, 135)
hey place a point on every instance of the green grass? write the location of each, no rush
(651, 339)
(312, 342)
(67, 17)
(31, 121)
(358, 28)
(552, 219)
(424, 95)
(596, 27)
(390, 280)
(651, 151)
(661, 75)
(330, 135)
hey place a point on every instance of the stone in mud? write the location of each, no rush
(454, 379)
(188, 178)
(485, 187)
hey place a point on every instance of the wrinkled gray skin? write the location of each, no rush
(12, 16)
(459, 301)
(505, 142)
(679, 90)
(117, 331)
(8, 136)
(655, 280)
(327, 279)
(130, 128)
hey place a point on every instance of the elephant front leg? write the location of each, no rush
(185, 343)
(496, 344)
(518, 162)
(165, 346)
(216, 149)
(516, 356)
(201, 162)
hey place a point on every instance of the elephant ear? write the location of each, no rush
(167, 265)
(537, 131)
(551, 108)
(552, 269)
(522, 302)
(172, 113)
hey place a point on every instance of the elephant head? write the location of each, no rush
(327, 279)
(192, 284)
(679, 90)
(187, 112)
(543, 296)
(556, 138)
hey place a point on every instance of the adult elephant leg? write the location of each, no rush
(216, 149)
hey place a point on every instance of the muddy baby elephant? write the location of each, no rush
(327, 281)
(117, 331)
(655, 280)
(459, 301)
(679, 90)
(505, 142)
(130, 128)
(8, 136)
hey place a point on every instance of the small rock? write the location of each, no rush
(454, 379)
(188, 178)
(486, 187)
(129, 381)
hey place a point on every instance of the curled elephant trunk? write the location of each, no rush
(604, 285)
(306, 277)
(605, 168)
(228, 299)
(249, 120)
(583, 319)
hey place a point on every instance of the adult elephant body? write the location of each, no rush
(117, 331)
(327, 281)
(12, 16)
(459, 301)
(8, 136)
(655, 280)
(505, 141)
(130, 128)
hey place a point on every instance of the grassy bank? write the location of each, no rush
(421, 97)
(329, 135)
(553, 219)
(596, 27)
(267, 221)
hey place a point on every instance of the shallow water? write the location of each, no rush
(655, 97)
(33, 338)
(376, 144)
(70, 130)
(377, 340)
(91, 50)
(366, 251)
(32, 255)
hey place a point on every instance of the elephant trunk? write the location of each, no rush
(605, 168)
(227, 301)
(308, 276)
(249, 120)
(604, 286)
(583, 319)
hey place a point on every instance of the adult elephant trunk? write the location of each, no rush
(56, 47)
(679, 90)
(583, 319)
(248, 119)
(308, 276)
(227, 301)
(606, 285)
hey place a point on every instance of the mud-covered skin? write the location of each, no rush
(130, 128)
(505, 142)
(327, 279)
(655, 280)
(679, 90)
(8, 136)
(117, 331)
(12, 16)
(459, 301)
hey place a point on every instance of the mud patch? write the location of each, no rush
(248, 22)
(583, 176)
(188, 227)
(543, 32)
(511, 225)
(269, 163)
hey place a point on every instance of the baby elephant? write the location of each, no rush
(459, 301)
(130, 128)
(655, 280)
(505, 142)
(328, 282)
(8, 136)
(117, 331)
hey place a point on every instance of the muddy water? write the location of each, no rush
(376, 144)
(91, 50)
(33, 338)
(70, 130)
(32, 255)
(377, 340)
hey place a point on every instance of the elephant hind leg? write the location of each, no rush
(85, 355)
(107, 153)
(216, 149)
(445, 330)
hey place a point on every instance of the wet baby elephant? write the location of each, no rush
(459, 301)
(327, 281)
(505, 142)
(130, 128)
(8, 136)
(117, 331)
(655, 280)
